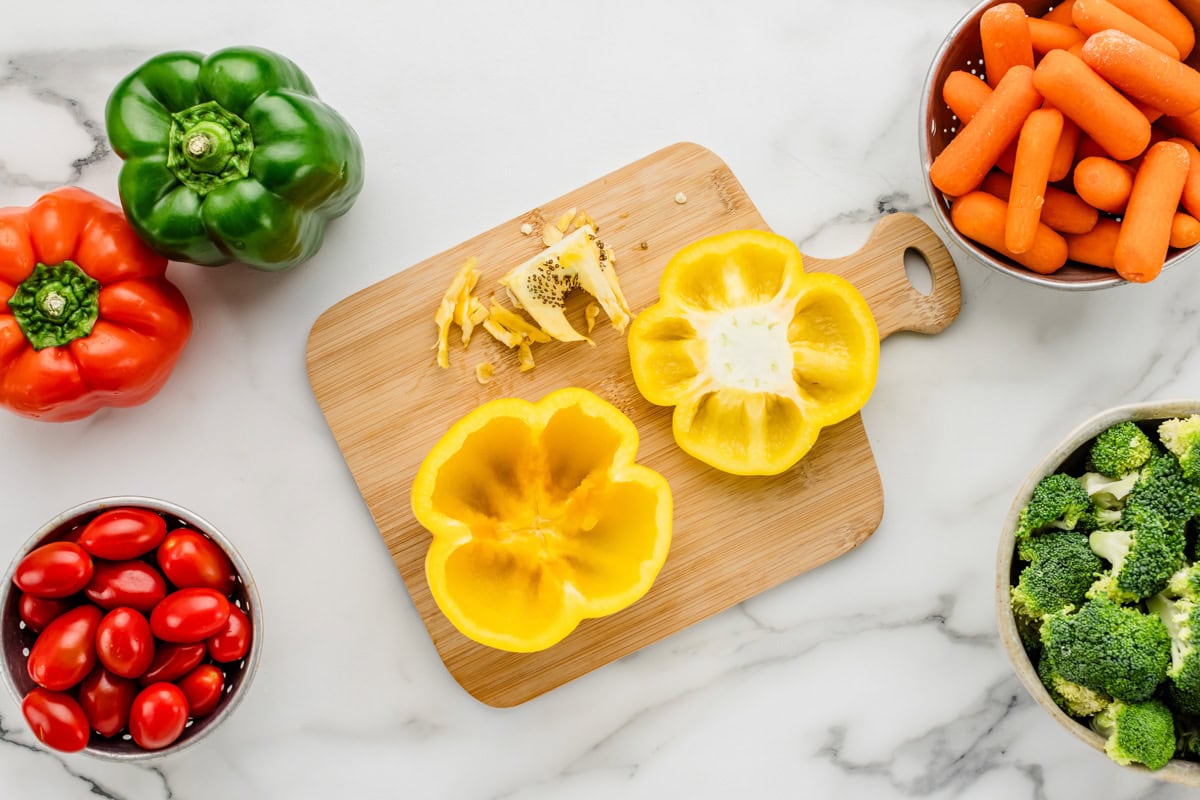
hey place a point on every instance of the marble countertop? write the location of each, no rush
(877, 675)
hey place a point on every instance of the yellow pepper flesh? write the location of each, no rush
(540, 518)
(755, 355)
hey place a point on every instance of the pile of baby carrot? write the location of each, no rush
(1081, 144)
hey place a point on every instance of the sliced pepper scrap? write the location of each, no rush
(540, 518)
(755, 355)
(460, 307)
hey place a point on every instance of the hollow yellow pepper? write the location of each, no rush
(540, 518)
(755, 355)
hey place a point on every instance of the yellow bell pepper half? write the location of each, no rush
(755, 355)
(540, 518)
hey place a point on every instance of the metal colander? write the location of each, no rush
(962, 50)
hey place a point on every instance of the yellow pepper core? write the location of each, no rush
(540, 518)
(755, 355)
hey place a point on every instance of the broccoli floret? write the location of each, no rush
(1181, 617)
(1182, 438)
(1162, 489)
(1120, 449)
(1058, 501)
(1076, 700)
(1061, 568)
(1143, 558)
(1108, 648)
(1142, 733)
(1108, 493)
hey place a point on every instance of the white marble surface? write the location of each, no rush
(878, 675)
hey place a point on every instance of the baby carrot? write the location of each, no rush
(1093, 16)
(1092, 104)
(1096, 246)
(1143, 73)
(1191, 188)
(1064, 154)
(1164, 17)
(1063, 211)
(1185, 230)
(1146, 227)
(1061, 13)
(961, 166)
(981, 218)
(1031, 171)
(1046, 36)
(1004, 33)
(1103, 183)
(1187, 126)
(965, 93)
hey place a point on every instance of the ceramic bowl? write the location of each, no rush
(1069, 456)
(962, 50)
(16, 639)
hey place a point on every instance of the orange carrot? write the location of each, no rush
(1063, 211)
(981, 217)
(1092, 104)
(1191, 188)
(961, 166)
(1064, 154)
(1061, 13)
(1185, 230)
(965, 94)
(1095, 247)
(1103, 183)
(1046, 36)
(1146, 227)
(1006, 41)
(1188, 127)
(1031, 172)
(1143, 73)
(1093, 16)
(1165, 18)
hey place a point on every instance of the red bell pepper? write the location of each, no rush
(87, 318)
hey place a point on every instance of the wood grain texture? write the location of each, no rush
(387, 403)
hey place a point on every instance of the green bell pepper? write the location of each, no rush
(231, 157)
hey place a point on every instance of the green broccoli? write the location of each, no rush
(1061, 568)
(1161, 488)
(1120, 449)
(1106, 492)
(1058, 501)
(1108, 648)
(1076, 700)
(1182, 438)
(1181, 616)
(1143, 556)
(1142, 733)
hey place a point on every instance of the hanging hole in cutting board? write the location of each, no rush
(917, 270)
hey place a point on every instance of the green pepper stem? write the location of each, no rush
(209, 146)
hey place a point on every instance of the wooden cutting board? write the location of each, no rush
(372, 369)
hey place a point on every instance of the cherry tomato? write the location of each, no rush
(124, 643)
(38, 612)
(56, 720)
(58, 569)
(189, 615)
(233, 641)
(135, 584)
(202, 688)
(158, 715)
(105, 699)
(189, 558)
(65, 652)
(123, 533)
(173, 661)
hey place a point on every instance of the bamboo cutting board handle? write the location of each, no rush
(877, 270)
